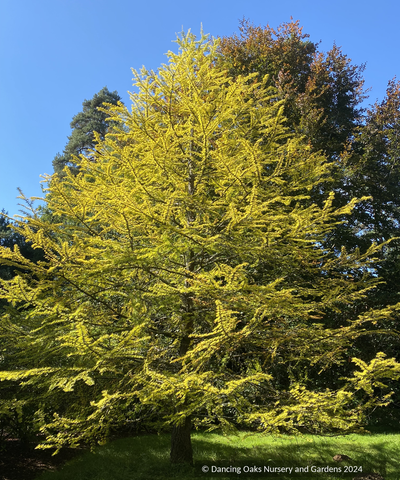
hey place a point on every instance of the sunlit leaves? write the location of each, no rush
(188, 269)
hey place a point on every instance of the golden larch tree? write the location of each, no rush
(187, 272)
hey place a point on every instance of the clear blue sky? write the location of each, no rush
(56, 53)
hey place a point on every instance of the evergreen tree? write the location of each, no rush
(91, 119)
(373, 170)
(8, 238)
(151, 294)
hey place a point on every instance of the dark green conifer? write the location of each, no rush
(83, 125)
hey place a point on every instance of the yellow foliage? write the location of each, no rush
(183, 268)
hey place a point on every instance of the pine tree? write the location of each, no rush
(151, 299)
(91, 119)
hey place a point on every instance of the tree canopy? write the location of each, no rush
(323, 92)
(151, 305)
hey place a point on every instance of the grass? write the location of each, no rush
(147, 457)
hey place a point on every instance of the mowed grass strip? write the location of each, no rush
(242, 456)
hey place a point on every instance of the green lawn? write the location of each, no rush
(147, 457)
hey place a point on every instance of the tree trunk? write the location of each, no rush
(181, 443)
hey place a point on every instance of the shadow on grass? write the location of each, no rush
(255, 456)
(303, 455)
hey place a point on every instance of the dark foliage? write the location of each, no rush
(83, 125)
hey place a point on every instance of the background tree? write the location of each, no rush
(10, 237)
(373, 170)
(323, 93)
(91, 119)
(151, 295)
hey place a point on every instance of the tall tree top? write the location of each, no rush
(91, 119)
(322, 90)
